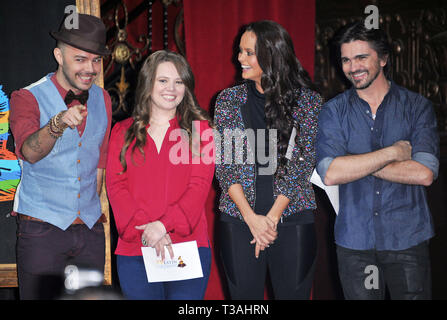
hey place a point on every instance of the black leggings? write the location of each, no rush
(290, 261)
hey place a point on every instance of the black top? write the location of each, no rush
(255, 107)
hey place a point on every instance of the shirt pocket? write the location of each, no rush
(399, 128)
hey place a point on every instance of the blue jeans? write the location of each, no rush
(134, 284)
(406, 273)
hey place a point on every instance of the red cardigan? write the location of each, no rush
(154, 188)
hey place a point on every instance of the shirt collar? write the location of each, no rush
(59, 88)
(173, 123)
(353, 95)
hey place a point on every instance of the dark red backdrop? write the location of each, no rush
(210, 31)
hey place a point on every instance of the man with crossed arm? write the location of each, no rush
(378, 141)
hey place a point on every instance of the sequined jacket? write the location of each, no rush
(295, 185)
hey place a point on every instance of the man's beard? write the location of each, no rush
(367, 84)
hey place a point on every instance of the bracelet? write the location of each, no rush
(60, 125)
(54, 125)
(55, 129)
(53, 134)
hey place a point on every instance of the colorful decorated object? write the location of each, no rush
(9, 165)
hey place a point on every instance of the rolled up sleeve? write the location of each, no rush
(24, 118)
(425, 138)
(330, 142)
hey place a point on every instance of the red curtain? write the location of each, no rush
(210, 31)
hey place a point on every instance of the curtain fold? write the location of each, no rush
(211, 28)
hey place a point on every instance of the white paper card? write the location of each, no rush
(291, 145)
(185, 265)
(331, 191)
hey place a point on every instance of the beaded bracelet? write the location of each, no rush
(62, 126)
(55, 129)
(52, 133)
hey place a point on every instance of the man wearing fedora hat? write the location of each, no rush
(61, 126)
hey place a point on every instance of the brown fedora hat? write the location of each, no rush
(90, 35)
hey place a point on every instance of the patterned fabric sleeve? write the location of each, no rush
(295, 185)
(226, 119)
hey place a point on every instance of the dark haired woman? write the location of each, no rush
(157, 198)
(266, 220)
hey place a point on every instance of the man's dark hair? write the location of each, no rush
(377, 39)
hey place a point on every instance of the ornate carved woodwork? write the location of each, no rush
(121, 67)
(419, 60)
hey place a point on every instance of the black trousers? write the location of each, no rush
(44, 250)
(365, 274)
(290, 261)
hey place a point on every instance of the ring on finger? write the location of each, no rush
(144, 242)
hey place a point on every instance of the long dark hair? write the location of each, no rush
(187, 111)
(282, 75)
